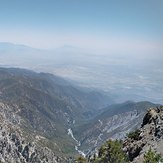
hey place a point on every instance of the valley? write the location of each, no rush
(67, 119)
(49, 105)
(81, 81)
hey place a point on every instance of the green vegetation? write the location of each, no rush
(135, 135)
(110, 152)
(152, 157)
(81, 160)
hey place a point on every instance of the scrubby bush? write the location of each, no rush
(135, 135)
(111, 152)
(152, 157)
(81, 160)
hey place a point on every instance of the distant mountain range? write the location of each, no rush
(124, 78)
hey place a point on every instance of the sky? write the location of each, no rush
(114, 26)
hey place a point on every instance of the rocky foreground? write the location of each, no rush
(144, 145)
(19, 146)
(150, 135)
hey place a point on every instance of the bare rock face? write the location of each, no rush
(151, 115)
(150, 136)
(17, 146)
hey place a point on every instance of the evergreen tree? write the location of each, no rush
(111, 152)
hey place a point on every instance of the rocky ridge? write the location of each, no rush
(114, 123)
(149, 136)
(48, 106)
(143, 145)
(17, 145)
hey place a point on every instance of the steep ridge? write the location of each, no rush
(48, 105)
(143, 145)
(114, 123)
(150, 136)
(20, 83)
(19, 145)
(51, 113)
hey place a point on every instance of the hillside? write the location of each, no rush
(144, 145)
(114, 122)
(48, 105)
(150, 136)
(52, 113)
(19, 145)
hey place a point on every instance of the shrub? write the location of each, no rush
(111, 152)
(81, 160)
(152, 157)
(134, 135)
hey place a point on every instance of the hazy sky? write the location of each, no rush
(112, 25)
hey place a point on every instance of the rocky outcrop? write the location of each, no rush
(19, 146)
(150, 136)
(48, 105)
(114, 123)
